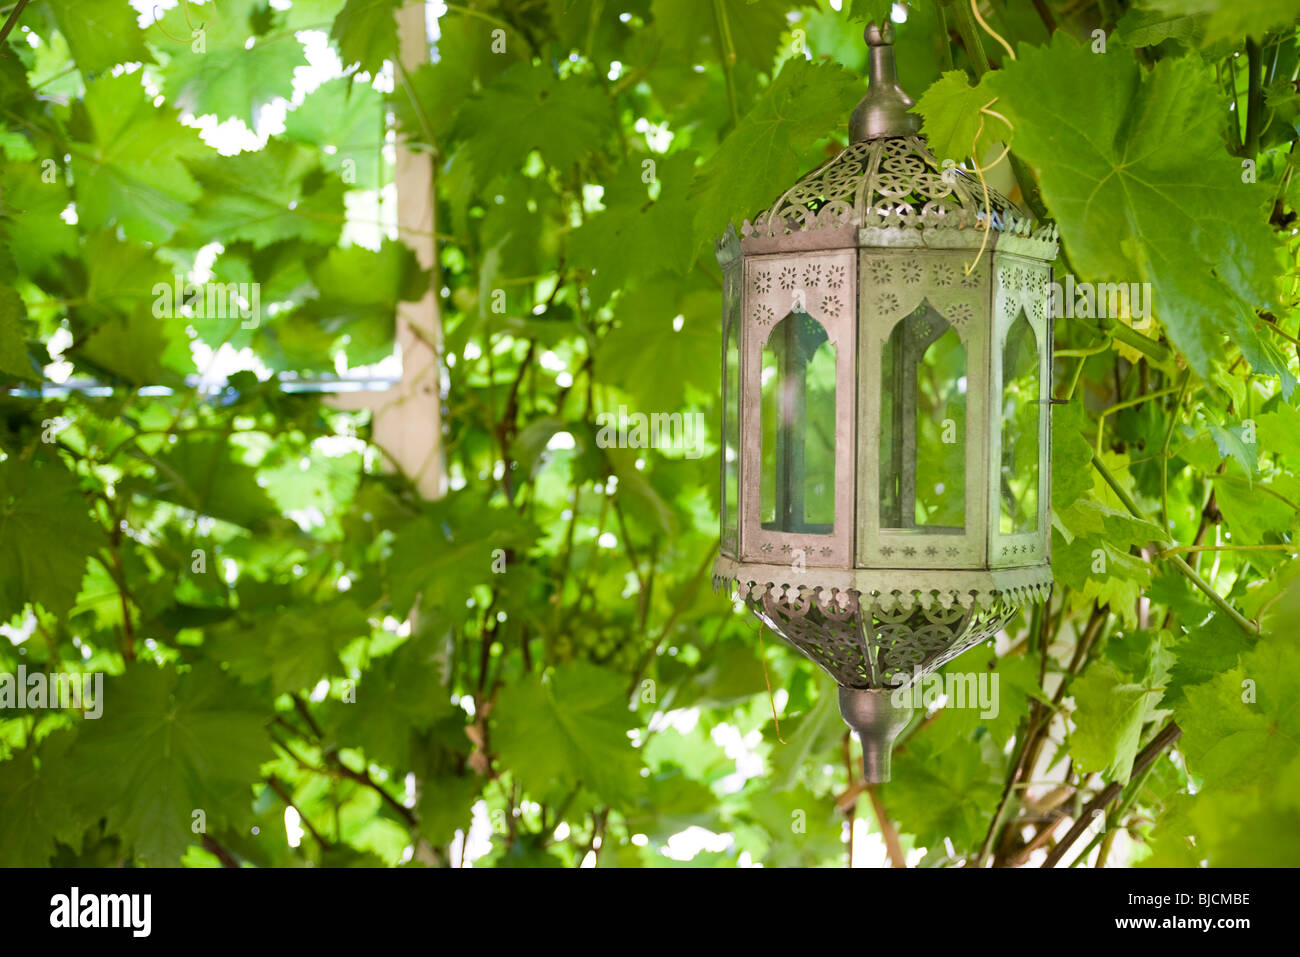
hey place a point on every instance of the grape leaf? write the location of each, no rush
(46, 535)
(199, 473)
(455, 545)
(267, 196)
(953, 126)
(227, 77)
(1111, 708)
(762, 155)
(13, 343)
(575, 718)
(366, 33)
(294, 648)
(170, 744)
(1132, 166)
(1231, 19)
(345, 120)
(636, 236)
(132, 174)
(690, 29)
(529, 108)
(100, 33)
(36, 807)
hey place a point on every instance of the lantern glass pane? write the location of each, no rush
(923, 426)
(1021, 409)
(797, 382)
(731, 425)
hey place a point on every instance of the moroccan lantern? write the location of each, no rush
(886, 412)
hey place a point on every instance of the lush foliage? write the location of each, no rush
(535, 670)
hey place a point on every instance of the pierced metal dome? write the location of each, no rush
(892, 182)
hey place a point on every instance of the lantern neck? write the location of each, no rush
(884, 111)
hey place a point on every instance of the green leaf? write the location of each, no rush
(401, 693)
(1254, 511)
(46, 535)
(100, 33)
(1131, 164)
(455, 545)
(568, 728)
(132, 173)
(13, 342)
(1111, 709)
(170, 744)
(267, 196)
(36, 806)
(636, 236)
(366, 33)
(529, 108)
(646, 339)
(345, 120)
(129, 347)
(1232, 19)
(226, 77)
(763, 154)
(1242, 727)
(691, 29)
(954, 127)
(1209, 649)
(294, 648)
(1072, 474)
(199, 473)
(949, 793)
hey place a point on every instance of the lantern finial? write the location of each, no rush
(884, 110)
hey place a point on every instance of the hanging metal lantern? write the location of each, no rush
(886, 426)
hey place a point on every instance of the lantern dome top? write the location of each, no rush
(887, 189)
(893, 181)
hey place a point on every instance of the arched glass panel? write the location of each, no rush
(797, 481)
(923, 426)
(1021, 409)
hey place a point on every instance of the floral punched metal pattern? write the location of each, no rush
(816, 284)
(895, 182)
(866, 644)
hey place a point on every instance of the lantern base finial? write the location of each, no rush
(873, 715)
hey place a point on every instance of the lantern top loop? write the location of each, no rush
(885, 110)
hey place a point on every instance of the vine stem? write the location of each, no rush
(1178, 563)
(727, 54)
(1165, 739)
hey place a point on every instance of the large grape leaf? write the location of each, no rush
(36, 806)
(1132, 165)
(294, 647)
(100, 33)
(132, 173)
(1231, 19)
(345, 120)
(227, 77)
(13, 344)
(1111, 708)
(637, 236)
(200, 474)
(170, 744)
(1243, 726)
(692, 30)
(267, 196)
(529, 108)
(764, 153)
(46, 535)
(456, 544)
(576, 720)
(366, 33)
